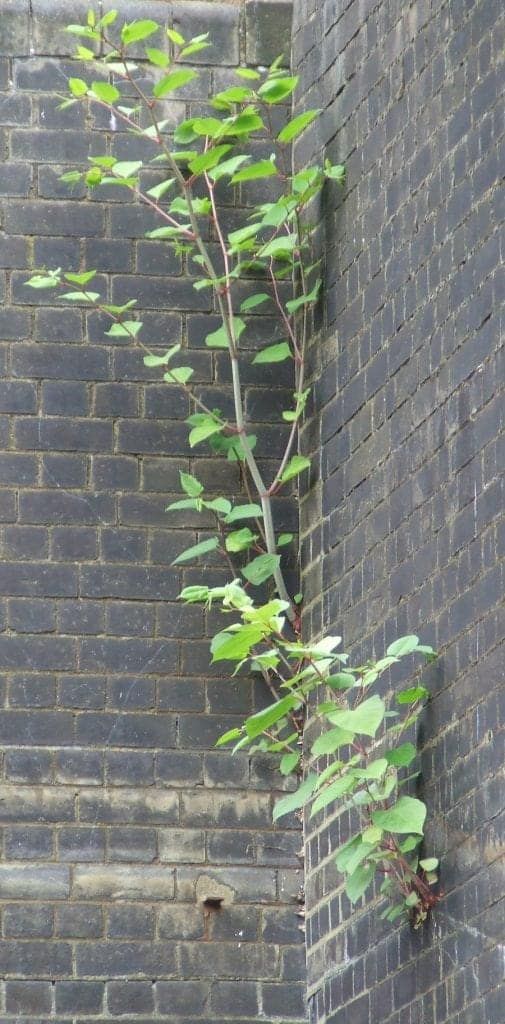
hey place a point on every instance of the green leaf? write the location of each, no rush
(288, 763)
(330, 741)
(254, 300)
(293, 801)
(105, 92)
(402, 756)
(80, 278)
(221, 505)
(244, 123)
(195, 45)
(335, 171)
(190, 485)
(372, 835)
(247, 73)
(43, 281)
(236, 646)
(264, 719)
(81, 296)
(366, 718)
(411, 695)
(158, 191)
(242, 235)
(208, 160)
(410, 844)
(174, 80)
(183, 503)
(126, 329)
(240, 540)
(196, 550)
(218, 339)
(332, 792)
(179, 374)
(261, 568)
(304, 300)
(209, 126)
(227, 737)
(157, 57)
(274, 354)
(262, 169)
(175, 37)
(228, 167)
(359, 881)
(71, 177)
(407, 815)
(375, 770)
(138, 30)
(412, 900)
(206, 427)
(283, 539)
(275, 90)
(430, 864)
(127, 168)
(404, 645)
(295, 466)
(278, 247)
(82, 30)
(356, 856)
(167, 232)
(346, 851)
(295, 127)
(341, 681)
(77, 86)
(244, 512)
(152, 360)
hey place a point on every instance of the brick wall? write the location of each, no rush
(117, 816)
(403, 523)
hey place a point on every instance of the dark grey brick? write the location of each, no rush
(28, 922)
(30, 997)
(132, 997)
(28, 217)
(63, 398)
(64, 470)
(79, 996)
(81, 844)
(28, 843)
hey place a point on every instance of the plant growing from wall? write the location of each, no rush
(361, 754)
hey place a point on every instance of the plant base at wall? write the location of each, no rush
(363, 756)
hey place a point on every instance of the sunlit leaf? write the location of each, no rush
(407, 815)
(196, 550)
(261, 568)
(293, 801)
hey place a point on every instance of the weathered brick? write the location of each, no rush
(133, 959)
(79, 996)
(36, 804)
(30, 997)
(133, 845)
(81, 844)
(28, 922)
(148, 807)
(129, 921)
(79, 921)
(132, 997)
(25, 882)
(22, 843)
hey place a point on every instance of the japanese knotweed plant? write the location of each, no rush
(359, 757)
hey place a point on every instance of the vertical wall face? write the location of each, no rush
(408, 434)
(117, 816)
